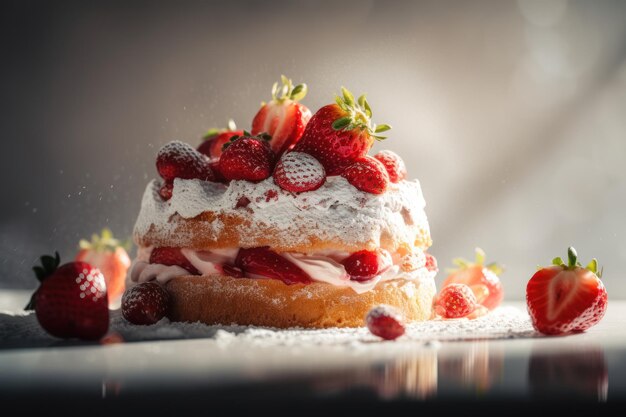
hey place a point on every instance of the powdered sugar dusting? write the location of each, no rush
(337, 210)
(298, 171)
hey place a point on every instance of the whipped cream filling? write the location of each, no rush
(323, 267)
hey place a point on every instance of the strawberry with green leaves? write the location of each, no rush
(283, 117)
(340, 134)
(566, 298)
(482, 279)
(214, 140)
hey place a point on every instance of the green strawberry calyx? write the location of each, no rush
(105, 242)
(288, 91)
(49, 264)
(358, 115)
(213, 132)
(261, 136)
(479, 260)
(572, 263)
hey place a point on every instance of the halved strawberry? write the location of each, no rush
(172, 257)
(247, 158)
(283, 118)
(264, 262)
(180, 160)
(566, 298)
(367, 174)
(482, 279)
(340, 134)
(366, 264)
(214, 140)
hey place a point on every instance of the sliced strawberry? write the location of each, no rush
(455, 301)
(247, 158)
(365, 265)
(393, 164)
(340, 134)
(299, 172)
(71, 300)
(386, 322)
(233, 271)
(214, 140)
(482, 279)
(267, 263)
(145, 303)
(431, 262)
(172, 257)
(283, 118)
(179, 160)
(566, 298)
(367, 174)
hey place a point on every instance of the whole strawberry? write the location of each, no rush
(367, 174)
(283, 118)
(108, 255)
(145, 303)
(214, 140)
(455, 301)
(180, 160)
(566, 298)
(366, 264)
(386, 322)
(393, 164)
(71, 300)
(340, 134)
(298, 172)
(247, 158)
(482, 279)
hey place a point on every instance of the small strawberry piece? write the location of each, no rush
(431, 262)
(180, 160)
(108, 255)
(242, 202)
(233, 271)
(166, 190)
(298, 172)
(455, 301)
(145, 303)
(247, 158)
(214, 140)
(265, 262)
(482, 279)
(568, 298)
(386, 322)
(365, 265)
(367, 174)
(172, 257)
(340, 134)
(393, 164)
(283, 118)
(71, 300)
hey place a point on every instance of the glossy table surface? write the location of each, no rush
(589, 368)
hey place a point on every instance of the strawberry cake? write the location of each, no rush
(292, 224)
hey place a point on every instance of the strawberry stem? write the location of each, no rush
(572, 257)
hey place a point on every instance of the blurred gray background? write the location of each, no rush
(511, 113)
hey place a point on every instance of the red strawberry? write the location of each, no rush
(367, 174)
(482, 279)
(71, 300)
(179, 160)
(264, 262)
(340, 134)
(108, 255)
(431, 262)
(215, 139)
(385, 321)
(298, 172)
(233, 271)
(145, 303)
(455, 301)
(566, 298)
(364, 265)
(166, 190)
(172, 256)
(283, 118)
(247, 158)
(393, 164)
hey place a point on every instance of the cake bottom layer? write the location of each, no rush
(218, 299)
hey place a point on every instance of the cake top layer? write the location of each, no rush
(336, 215)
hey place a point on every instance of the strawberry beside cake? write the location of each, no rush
(293, 224)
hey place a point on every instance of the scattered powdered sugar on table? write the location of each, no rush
(22, 329)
